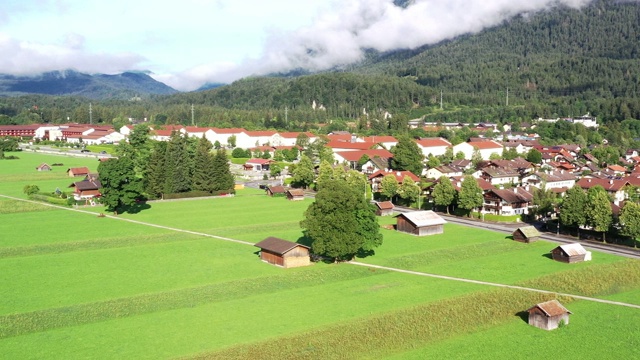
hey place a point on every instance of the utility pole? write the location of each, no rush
(90, 114)
(286, 117)
(192, 116)
(507, 96)
(440, 99)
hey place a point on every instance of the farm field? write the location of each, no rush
(78, 286)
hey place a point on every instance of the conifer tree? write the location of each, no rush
(156, 172)
(223, 179)
(203, 173)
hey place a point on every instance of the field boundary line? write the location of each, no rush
(133, 221)
(480, 282)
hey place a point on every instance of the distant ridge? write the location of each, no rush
(98, 86)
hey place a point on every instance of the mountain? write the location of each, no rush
(98, 86)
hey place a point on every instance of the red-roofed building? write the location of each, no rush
(376, 178)
(352, 157)
(434, 146)
(486, 149)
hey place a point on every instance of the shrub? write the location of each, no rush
(31, 189)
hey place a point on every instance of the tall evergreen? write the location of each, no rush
(203, 170)
(178, 164)
(156, 171)
(223, 179)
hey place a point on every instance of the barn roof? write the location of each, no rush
(384, 205)
(277, 245)
(573, 249)
(278, 189)
(423, 218)
(528, 231)
(552, 308)
(296, 192)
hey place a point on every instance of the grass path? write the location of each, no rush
(610, 302)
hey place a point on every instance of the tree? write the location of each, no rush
(544, 201)
(325, 174)
(432, 161)
(340, 222)
(409, 190)
(275, 170)
(203, 170)
(598, 210)
(572, 209)
(357, 181)
(155, 171)
(178, 164)
(31, 189)
(222, 177)
(470, 196)
(444, 193)
(303, 174)
(120, 185)
(138, 148)
(407, 156)
(534, 156)
(476, 158)
(231, 141)
(217, 145)
(302, 140)
(239, 153)
(630, 221)
(389, 186)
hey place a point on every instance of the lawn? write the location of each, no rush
(80, 286)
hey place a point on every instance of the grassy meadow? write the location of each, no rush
(75, 285)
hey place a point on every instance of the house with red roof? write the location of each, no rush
(433, 146)
(258, 164)
(376, 178)
(485, 147)
(352, 157)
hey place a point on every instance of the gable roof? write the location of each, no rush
(277, 245)
(400, 175)
(432, 142)
(296, 192)
(423, 218)
(514, 195)
(528, 231)
(384, 205)
(484, 145)
(371, 153)
(574, 249)
(79, 170)
(551, 308)
(279, 189)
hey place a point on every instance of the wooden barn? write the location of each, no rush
(80, 171)
(283, 253)
(526, 234)
(43, 167)
(295, 194)
(420, 223)
(384, 208)
(276, 190)
(548, 315)
(570, 253)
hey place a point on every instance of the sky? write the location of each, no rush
(188, 43)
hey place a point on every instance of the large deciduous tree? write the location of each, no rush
(389, 186)
(340, 222)
(409, 190)
(120, 185)
(303, 173)
(630, 221)
(573, 208)
(598, 210)
(444, 193)
(470, 196)
(407, 156)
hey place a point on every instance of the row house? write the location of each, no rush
(508, 202)
(486, 148)
(433, 146)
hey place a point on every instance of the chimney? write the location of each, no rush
(515, 190)
(398, 173)
(611, 181)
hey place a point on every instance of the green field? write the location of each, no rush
(75, 285)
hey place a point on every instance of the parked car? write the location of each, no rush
(85, 151)
(103, 152)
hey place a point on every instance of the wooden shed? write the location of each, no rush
(295, 194)
(420, 223)
(276, 190)
(526, 234)
(80, 171)
(43, 167)
(384, 208)
(570, 253)
(548, 315)
(283, 253)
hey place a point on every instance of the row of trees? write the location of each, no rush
(468, 198)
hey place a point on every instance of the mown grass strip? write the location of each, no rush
(391, 332)
(14, 206)
(36, 321)
(458, 253)
(91, 245)
(417, 326)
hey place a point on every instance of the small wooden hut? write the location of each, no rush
(43, 167)
(79, 171)
(384, 208)
(570, 253)
(283, 253)
(276, 190)
(526, 234)
(295, 194)
(420, 223)
(548, 315)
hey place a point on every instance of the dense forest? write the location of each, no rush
(559, 63)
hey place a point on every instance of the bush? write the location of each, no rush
(31, 189)
(196, 194)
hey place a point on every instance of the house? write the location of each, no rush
(433, 146)
(548, 315)
(500, 176)
(295, 194)
(420, 223)
(570, 253)
(384, 208)
(43, 167)
(353, 157)
(443, 170)
(80, 171)
(376, 178)
(86, 189)
(526, 234)
(283, 253)
(276, 190)
(551, 180)
(507, 202)
(486, 148)
(258, 164)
